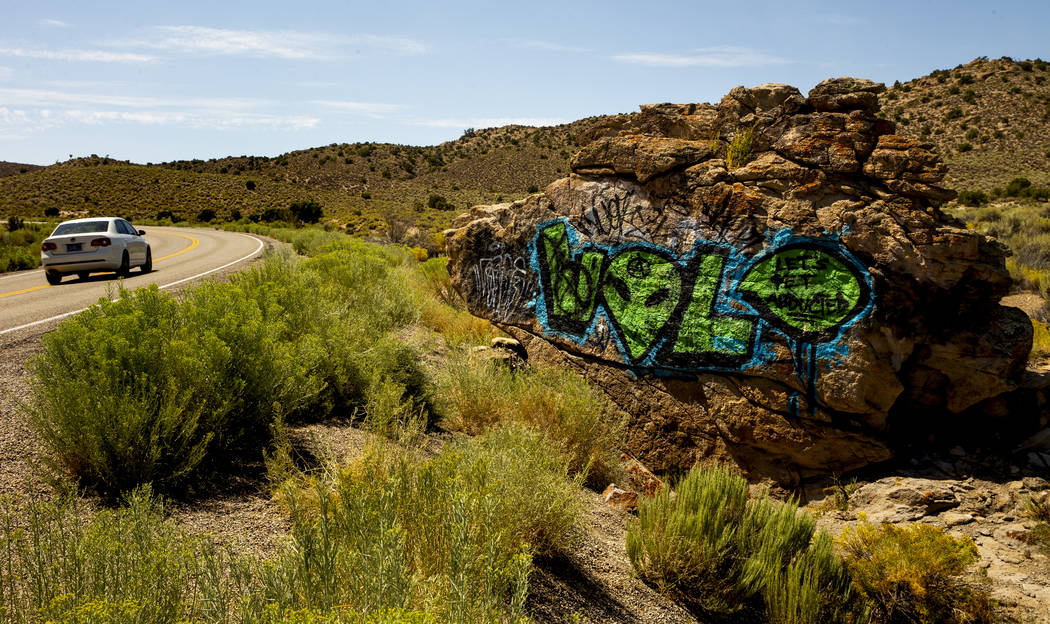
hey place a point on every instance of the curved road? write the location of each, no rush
(179, 255)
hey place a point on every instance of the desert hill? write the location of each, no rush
(11, 168)
(988, 120)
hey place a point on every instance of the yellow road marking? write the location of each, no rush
(193, 245)
(19, 292)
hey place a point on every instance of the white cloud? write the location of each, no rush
(547, 46)
(6, 72)
(486, 122)
(54, 23)
(29, 111)
(376, 110)
(42, 97)
(724, 56)
(285, 44)
(400, 45)
(98, 56)
(193, 119)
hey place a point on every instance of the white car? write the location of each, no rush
(84, 246)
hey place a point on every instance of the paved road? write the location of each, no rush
(179, 255)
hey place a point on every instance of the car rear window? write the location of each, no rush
(81, 227)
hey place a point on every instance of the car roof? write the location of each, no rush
(93, 219)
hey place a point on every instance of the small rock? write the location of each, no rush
(1035, 484)
(954, 518)
(642, 479)
(509, 344)
(620, 499)
(957, 451)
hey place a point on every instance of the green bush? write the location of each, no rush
(144, 389)
(307, 211)
(1017, 187)
(437, 202)
(17, 259)
(477, 395)
(273, 215)
(973, 198)
(453, 534)
(391, 538)
(125, 565)
(915, 573)
(723, 553)
(206, 216)
(20, 244)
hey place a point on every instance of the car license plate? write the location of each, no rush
(75, 247)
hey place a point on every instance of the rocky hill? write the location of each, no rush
(987, 120)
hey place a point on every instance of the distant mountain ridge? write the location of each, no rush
(988, 120)
(12, 168)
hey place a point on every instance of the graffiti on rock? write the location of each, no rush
(622, 215)
(704, 310)
(503, 284)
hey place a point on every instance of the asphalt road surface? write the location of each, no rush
(179, 256)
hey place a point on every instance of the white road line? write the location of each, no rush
(20, 274)
(192, 277)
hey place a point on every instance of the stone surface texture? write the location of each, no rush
(767, 281)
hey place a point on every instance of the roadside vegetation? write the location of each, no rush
(20, 243)
(474, 468)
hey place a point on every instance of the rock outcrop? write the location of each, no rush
(767, 281)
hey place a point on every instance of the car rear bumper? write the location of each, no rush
(101, 260)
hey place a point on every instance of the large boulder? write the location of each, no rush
(767, 281)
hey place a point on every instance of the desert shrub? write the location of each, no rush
(272, 215)
(477, 394)
(1017, 187)
(307, 211)
(115, 413)
(20, 244)
(954, 113)
(722, 553)
(738, 153)
(973, 198)
(437, 202)
(125, 565)
(914, 573)
(51, 212)
(206, 216)
(453, 534)
(144, 389)
(17, 259)
(964, 147)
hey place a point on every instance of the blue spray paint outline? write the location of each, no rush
(727, 301)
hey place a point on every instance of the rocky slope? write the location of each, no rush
(768, 281)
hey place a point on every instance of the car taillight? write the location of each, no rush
(48, 246)
(100, 242)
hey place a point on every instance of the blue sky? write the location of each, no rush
(153, 82)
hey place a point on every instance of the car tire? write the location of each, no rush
(53, 278)
(125, 265)
(148, 265)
